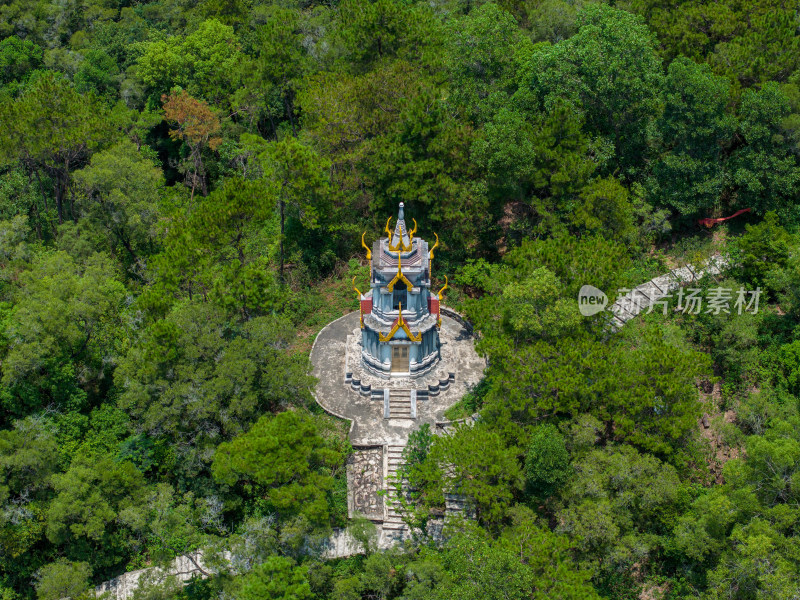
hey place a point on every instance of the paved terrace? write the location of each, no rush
(333, 354)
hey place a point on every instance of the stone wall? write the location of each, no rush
(364, 481)
(183, 568)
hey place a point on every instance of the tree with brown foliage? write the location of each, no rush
(197, 126)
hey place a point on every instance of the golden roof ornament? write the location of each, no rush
(400, 322)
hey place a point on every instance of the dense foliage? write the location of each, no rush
(183, 186)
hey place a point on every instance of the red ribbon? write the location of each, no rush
(711, 222)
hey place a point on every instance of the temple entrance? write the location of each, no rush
(399, 296)
(399, 359)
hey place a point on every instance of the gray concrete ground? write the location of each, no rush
(331, 353)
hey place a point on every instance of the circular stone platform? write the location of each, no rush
(333, 354)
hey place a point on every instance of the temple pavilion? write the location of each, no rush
(400, 317)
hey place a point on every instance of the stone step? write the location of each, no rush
(393, 518)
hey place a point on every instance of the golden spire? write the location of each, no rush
(401, 224)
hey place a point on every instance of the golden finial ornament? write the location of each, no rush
(436, 245)
(389, 231)
(369, 252)
(360, 308)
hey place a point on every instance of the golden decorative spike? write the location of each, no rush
(369, 252)
(389, 231)
(360, 310)
(399, 275)
(413, 231)
(439, 295)
(436, 245)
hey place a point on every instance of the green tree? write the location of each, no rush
(18, 58)
(695, 130)
(764, 252)
(301, 177)
(547, 462)
(122, 190)
(605, 208)
(527, 561)
(374, 31)
(60, 333)
(772, 466)
(617, 506)
(424, 162)
(63, 579)
(473, 461)
(483, 52)
(281, 65)
(761, 564)
(285, 456)
(83, 518)
(765, 172)
(196, 378)
(52, 130)
(278, 578)
(99, 74)
(205, 62)
(175, 524)
(27, 459)
(609, 71)
(214, 252)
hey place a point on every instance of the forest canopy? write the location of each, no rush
(183, 190)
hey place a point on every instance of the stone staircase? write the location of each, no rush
(457, 505)
(393, 522)
(401, 405)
